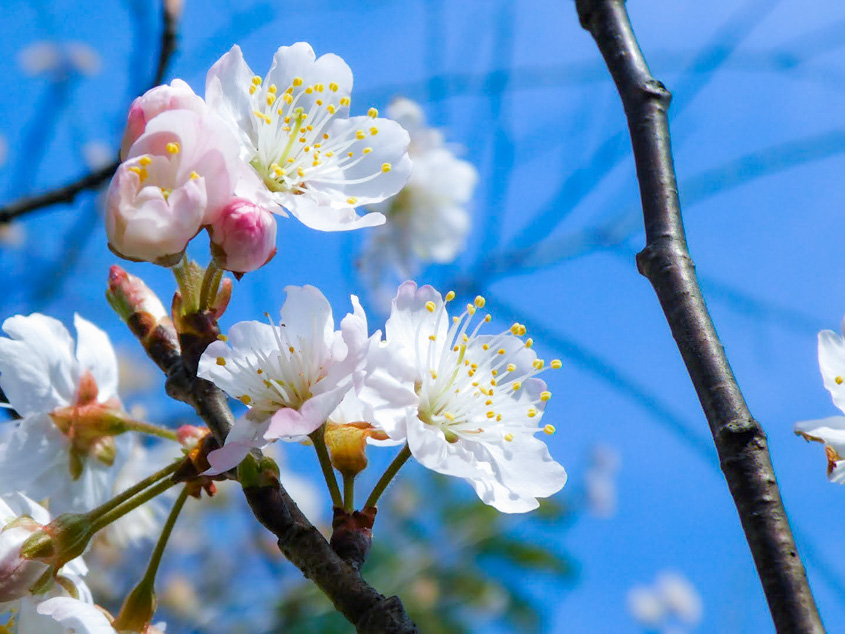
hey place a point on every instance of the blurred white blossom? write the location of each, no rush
(4, 150)
(600, 481)
(98, 154)
(671, 605)
(45, 57)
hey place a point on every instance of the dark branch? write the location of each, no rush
(67, 193)
(665, 261)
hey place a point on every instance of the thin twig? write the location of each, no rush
(67, 193)
(665, 261)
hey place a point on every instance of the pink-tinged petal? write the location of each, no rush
(227, 92)
(38, 370)
(178, 95)
(227, 457)
(246, 339)
(95, 354)
(832, 365)
(317, 212)
(243, 238)
(411, 322)
(246, 434)
(289, 423)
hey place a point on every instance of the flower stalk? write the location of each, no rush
(326, 465)
(391, 471)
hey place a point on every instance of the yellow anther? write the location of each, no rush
(309, 128)
(549, 429)
(433, 374)
(511, 367)
(470, 309)
(222, 337)
(430, 306)
(839, 380)
(450, 296)
(221, 361)
(256, 80)
(309, 90)
(521, 330)
(545, 396)
(165, 192)
(252, 90)
(267, 383)
(145, 160)
(515, 329)
(556, 364)
(350, 154)
(367, 150)
(325, 137)
(300, 172)
(333, 87)
(516, 385)
(345, 101)
(352, 200)
(135, 169)
(259, 371)
(319, 87)
(271, 88)
(532, 412)
(491, 414)
(319, 102)
(331, 108)
(455, 319)
(449, 416)
(297, 81)
(538, 364)
(329, 154)
(289, 90)
(493, 383)
(487, 318)
(432, 337)
(194, 176)
(302, 139)
(456, 348)
(485, 346)
(372, 112)
(173, 148)
(500, 351)
(480, 301)
(374, 131)
(307, 148)
(271, 99)
(315, 163)
(291, 349)
(246, 399)
(386, 167)
(464, 338)
(288, 99)
(488, 402)
(529, 342)
(287, 119)
(508, 437)
(360, 134)
(494, 372)
(290, 159)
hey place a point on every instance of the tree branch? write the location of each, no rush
(67, 193)
(665, 261)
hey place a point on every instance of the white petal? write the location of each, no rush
(227, 92)
(832, 365)
(38, 371)
(76, 616)
(318, 212)
(95, 354)
(245, 338)
(299, 60)
(307, 318)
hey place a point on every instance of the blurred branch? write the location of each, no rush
(178, 357)
(665, 261)
(67, 193)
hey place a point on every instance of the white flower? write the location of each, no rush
(600, 481)
(478, 402)
(831, 430)
(292, 376)
(671, 601)
(295, 131)
(55, 390)
(428, 221)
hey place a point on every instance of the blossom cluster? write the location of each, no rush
(466, 404)
(252, 147)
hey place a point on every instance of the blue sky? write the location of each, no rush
(759, 142)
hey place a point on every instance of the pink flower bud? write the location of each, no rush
(178, 95)
(244, 237)
(17, 573)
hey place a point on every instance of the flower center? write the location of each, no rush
(296, 142)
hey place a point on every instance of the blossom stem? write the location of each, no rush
(150, 429)
(326, 465)
(132, 491)
(107, 518)
(182, 272)
(348, 493)
(210, 284)
(392, 470)
(155, 559)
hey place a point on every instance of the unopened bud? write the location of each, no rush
(189, 435)
(60, 541)
(18, 574)
(347, 445)
(137, 610)
(243, 238)
(129, 295)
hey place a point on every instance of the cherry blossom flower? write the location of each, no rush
(292, 376)
(671, 604)
(295, 131)
(479, 402)
(428, 221)
(56, 450)
(244, 237)
(177, 178)
(831, 430)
